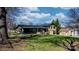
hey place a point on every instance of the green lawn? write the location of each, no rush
(40, 42)
(42, 47)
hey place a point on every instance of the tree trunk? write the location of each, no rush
(57, 31)
(3, 25)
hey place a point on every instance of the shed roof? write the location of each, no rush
(33, 26)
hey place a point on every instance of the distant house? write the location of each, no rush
(47, 29)
(51, 30)
(75, 29)
(65, 31)
(75, 32)
(19, 29)
(35, 29)
(69, 31)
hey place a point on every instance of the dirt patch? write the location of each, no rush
(16, 46)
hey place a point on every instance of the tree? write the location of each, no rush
(68, 43)
(64, 42)
(10, 21)
(74, 14)
(3, 26)
(56, 25)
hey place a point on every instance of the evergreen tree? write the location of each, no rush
(56, 25)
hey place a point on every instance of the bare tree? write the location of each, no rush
(3, 26)
(68, 43)
(74, 14)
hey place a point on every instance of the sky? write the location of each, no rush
(39, 15)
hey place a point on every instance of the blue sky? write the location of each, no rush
(39, 15)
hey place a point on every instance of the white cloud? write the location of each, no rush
(38, 15)
(33, 17)
(62, 18)
(23, 14)
(33, 8)
(60, 15)
(28, 8)
(67, 8)
(27, 16)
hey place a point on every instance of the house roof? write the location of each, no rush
(76, 25)
(33, 26)
(64, 29)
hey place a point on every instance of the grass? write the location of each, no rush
(43, 47)
(40, 42)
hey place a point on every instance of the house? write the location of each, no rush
(75, 29)
(75, 32)
(32, 29)
(69, 31)
(65, 31)
(35, 29)
(47, 29)
(51, 30)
